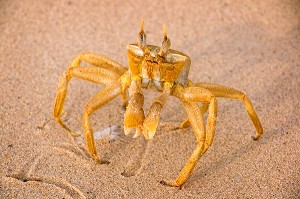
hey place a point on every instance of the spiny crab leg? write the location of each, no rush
(196, 119)
(102, 71)
(90, 73)
(189, 97)
(227, 92)
(100, 99)
(186, 122)
(99, 61)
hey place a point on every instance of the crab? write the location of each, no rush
(160, 69)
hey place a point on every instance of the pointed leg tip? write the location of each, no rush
(98, 161)
(169, 183)
(104, 162)
(255, 138)
(166, 183)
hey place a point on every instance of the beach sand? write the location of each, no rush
(253, 46)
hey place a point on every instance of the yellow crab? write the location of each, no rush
(160, 69)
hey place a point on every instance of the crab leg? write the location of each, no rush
(100, 99)
(204, 137)
(89, 73)
(152, 118)
(186, 122)
(100, 61)
(226, 92)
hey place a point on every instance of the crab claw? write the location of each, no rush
(138, 132)
(151, 121)
(134, 114)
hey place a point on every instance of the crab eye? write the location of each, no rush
(142, 40)
(142, 37)
(165, 44)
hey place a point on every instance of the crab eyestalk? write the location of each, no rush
(142, 37)
(165, 44)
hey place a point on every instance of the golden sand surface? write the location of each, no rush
(253, 46)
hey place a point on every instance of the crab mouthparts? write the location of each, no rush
(152, 61)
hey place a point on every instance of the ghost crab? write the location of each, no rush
(150, 67)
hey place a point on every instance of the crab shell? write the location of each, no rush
(155, 69)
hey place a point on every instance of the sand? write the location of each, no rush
(251, 45)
